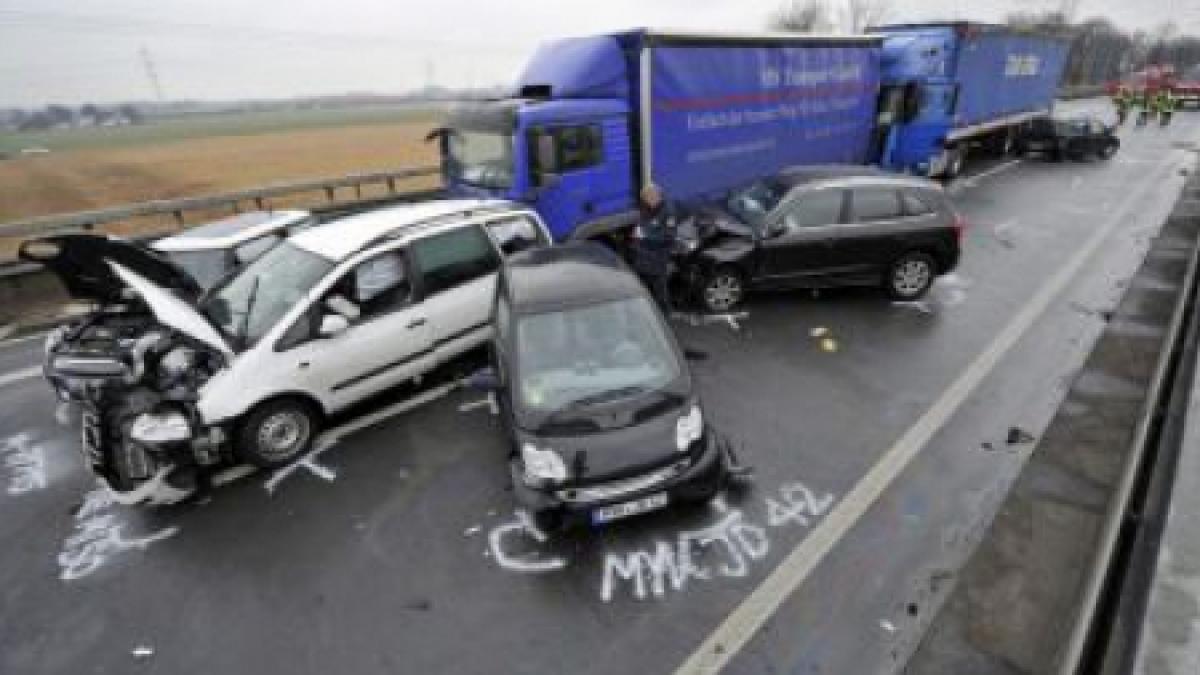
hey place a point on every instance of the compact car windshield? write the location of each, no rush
(597, 353)
(206, 267)
(481, 158)
(251, 302)
(752, 204)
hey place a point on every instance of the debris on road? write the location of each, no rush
(829, 345)
(472, 530)
(1018, 436)
(819, 332)
(143, 652)
(888, 626)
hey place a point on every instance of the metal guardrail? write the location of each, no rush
(258, 198)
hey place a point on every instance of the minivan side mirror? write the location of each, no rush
(484, 380)
(776, 229)
(333, 325)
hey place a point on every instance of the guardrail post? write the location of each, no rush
(179, 217)
(391, 183)
(358, 191)
(258, 203)
(237, 208)
(329, 193)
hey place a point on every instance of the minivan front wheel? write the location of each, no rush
(911, 276)
(278, 432)
(722, 289)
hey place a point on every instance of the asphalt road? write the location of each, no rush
(877, 432)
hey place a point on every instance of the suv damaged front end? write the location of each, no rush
(134, 367)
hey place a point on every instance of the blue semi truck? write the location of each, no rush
(950, 89)
(595, 118)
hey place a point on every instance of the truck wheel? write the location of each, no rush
(278, 432)
(1109, 149)
(722, 289)
(910, 276)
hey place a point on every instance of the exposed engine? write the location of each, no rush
(137, 383)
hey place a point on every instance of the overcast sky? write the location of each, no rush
(73, 52)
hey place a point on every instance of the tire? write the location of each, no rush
(278, 432)
(722, 290)
(910, 276)
(1108, 150)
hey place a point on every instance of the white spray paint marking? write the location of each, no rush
(947, 291)
(99, 537)
(332, 437)
(232, 473)
(489, 402)
(733, 320)
(670, 565)
(25, 461)
(20, 375)
(526, 562)
(973, 180)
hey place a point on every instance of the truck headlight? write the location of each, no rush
(542, 466)
(689, 428)
(164, 427)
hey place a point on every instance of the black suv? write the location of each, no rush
(819, 227)
(1069, 138)
(594, 392)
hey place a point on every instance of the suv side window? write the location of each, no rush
(514, 234)
(453, 258)
(822, 207)
(872, 204)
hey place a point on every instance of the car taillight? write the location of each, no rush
(960, 226)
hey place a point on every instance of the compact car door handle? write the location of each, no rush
(417, 323)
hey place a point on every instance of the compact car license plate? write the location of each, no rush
(607, 514)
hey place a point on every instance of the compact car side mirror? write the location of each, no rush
(333, 325)
(343, 307)
(484, 380)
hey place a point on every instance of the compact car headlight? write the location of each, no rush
(542, 466)
(164, 427)
(177, 362)
(689, 428)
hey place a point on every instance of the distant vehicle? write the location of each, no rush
(174, 383)
(1187, 88)
(819, 227)
(596, 118)
(951, 88)
(211, 251)
(35, 151)
(603, 419)
(1074, 138)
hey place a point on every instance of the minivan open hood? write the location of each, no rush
(81, 262)
(173, 311)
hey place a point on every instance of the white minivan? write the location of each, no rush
(173, 381)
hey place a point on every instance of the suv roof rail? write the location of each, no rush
(433, 221)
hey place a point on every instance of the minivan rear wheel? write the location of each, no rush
(910, 276)
(722, 289)
(278, 432)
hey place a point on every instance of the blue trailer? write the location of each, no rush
(595, 118)
(954, 88)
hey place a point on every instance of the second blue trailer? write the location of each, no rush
(951, 89)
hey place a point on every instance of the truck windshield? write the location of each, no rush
(480, 158)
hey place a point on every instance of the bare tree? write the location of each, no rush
(862, 14)
(802, 16)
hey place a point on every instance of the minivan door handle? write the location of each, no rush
(416, 323)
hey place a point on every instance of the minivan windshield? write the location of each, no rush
(248, 304)
(584, 356)
(480, 158)
(754, 202)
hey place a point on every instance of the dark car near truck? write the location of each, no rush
(596, 396)
(820, 227)
(1075, 138)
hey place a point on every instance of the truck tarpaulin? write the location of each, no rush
(722, 116)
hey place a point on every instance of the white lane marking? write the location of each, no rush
(18, 375)
(741, 625)
(973, 180)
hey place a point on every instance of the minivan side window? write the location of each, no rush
(380, 284)
(871, 204)
(453, 258)
(823, 207)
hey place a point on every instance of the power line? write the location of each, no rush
(151, 73)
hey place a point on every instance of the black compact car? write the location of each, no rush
(594, 392)
(1068, 138)
(819, 227)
